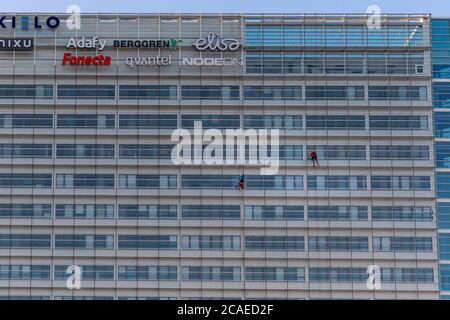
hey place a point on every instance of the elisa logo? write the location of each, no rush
(214, 42)
(28, 22)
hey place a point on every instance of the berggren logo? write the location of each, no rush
(147, 44)
(16, 44)
(28, 22)
(214, 42)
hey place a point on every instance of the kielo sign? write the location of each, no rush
(214, 42)
(28, 22)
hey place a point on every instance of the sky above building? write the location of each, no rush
(435, 7)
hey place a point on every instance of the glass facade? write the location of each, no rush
(440, 36)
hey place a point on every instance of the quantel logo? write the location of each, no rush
(214, 42)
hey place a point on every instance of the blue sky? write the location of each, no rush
(435, 7)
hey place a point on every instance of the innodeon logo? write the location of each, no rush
(28, 22)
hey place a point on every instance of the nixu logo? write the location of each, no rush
(28, 22)
(215, 42)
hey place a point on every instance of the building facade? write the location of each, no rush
(87, 176)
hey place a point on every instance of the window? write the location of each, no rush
(82, 91)
(252, 182)
(142, 211)
(87, 181)
(85, 211)
(334, 92)
(148, 121)
(445, 277)
(275, 274)
(24, 272)
(150, 242)
(400, 183)
(273, 92)
(342, 274)
(282, 122)
(147, 181)
(96, 151)
(81, 242)
(147, 273)
(442, 154)
(338, 152)
(402, 213)
(407, 275)
(25, 150)
(86, 121)
(210, 242)
(206, 92)
(278, 182)
(273, 35)
(296, 243)
(390, 152)
(25, 210)
(337, 213)
(441, 93)
(402, 244)
(337, 182)
(26, 120)
(398, 93)
(444, 246)
(25, 180)
(145, 151)
(335, 122)
(442, 124)
(211, 212)
(26, 91)
(148, 92)
(338, 243)
(443, 214)
(88, 272)
(25, 241)
(211, 273)
(209, 121)
(398, 122)
(273, 63)
(273, 212)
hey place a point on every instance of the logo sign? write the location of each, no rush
(168, 43)
(214, 42)
(27, 22)
(157, 61)
(87, 43)
(99, 60)
(17, 44)
(211, 62)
